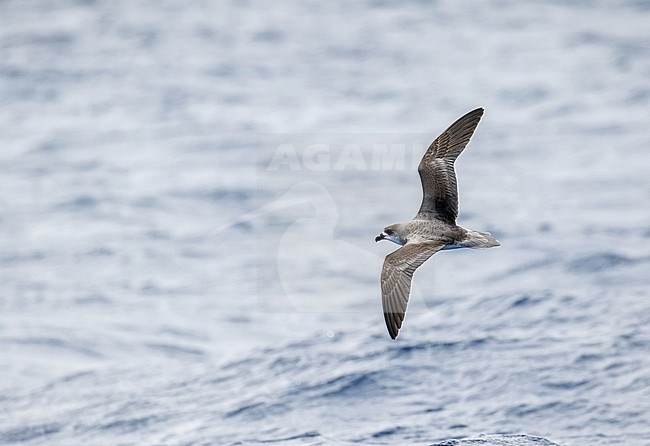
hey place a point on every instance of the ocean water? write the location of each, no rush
(190, 191)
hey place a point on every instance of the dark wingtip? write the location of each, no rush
(476, 112)
(392, 325)
(393, 330)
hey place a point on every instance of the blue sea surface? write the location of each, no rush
(190, 191)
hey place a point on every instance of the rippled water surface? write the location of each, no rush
(162, 283)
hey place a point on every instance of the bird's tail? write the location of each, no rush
(480, 240)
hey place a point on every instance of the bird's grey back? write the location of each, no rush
(434, 229)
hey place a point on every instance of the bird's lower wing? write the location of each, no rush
(396, 276)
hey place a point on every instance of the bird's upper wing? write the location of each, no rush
(396, 275)
(440, 192)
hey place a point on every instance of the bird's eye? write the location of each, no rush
(389, 231)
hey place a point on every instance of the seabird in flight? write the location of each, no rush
(434, 227)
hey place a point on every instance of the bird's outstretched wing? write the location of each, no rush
(396, 276)
(440, 192)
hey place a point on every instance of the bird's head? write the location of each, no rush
(393, 233)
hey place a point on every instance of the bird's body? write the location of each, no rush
(451, 236)
(434, 227)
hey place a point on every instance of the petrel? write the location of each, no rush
(434, 227)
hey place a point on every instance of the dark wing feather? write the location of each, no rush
(440, 192)
(396, 276)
